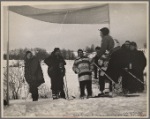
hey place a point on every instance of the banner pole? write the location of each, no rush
(8, 60)
(109, 16)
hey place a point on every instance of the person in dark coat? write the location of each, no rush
(118, 60)
(33, 74)
(136, 66)
(56, 71)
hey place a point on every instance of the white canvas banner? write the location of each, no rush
(90, 15)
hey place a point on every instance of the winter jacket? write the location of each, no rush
(136, 65)
(107, 43)
(138, 61)
(55, 65)
(33, 71)
(83, 67)
(118, 60)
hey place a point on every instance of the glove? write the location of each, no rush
(126, 68)
(100, 62)
(77, 71)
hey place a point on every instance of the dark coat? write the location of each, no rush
(118, 60)
(56, 71)
(138, 61)
(33, 72)
(55, 65)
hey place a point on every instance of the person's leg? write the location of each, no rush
(36, 95)
(110, 86)
(141, 85)
(129, 81)
(60, 87)
(62, 93)
(102, 83)
(34, 92)
(125, 82)
(54, 87)
(89, 87)
(95, 72)
(82, 87)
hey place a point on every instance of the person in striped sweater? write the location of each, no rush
(83, 67)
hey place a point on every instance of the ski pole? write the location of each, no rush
(113, 83)
(26, 93)
(134, 76)
(66, 88)
(105, 74)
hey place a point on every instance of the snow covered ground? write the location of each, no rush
(93, 107)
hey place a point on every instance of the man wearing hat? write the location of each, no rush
(56, 71)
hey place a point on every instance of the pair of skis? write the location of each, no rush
(66, 90)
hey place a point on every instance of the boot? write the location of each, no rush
(62, 94)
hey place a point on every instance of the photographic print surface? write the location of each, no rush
(74, 59)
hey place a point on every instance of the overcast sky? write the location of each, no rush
(31, 33)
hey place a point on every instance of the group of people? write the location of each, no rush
(126, 63)
(56, 71)
(115, 61)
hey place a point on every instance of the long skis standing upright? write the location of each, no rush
(66, 87)
(23, 81)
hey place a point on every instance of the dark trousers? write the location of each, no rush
(57, 85)
(102, 83)
(59, 93)
(85, 84)
(34, 92)
(131, 84)
(114, 75)
(110, 86)
(95, 72)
